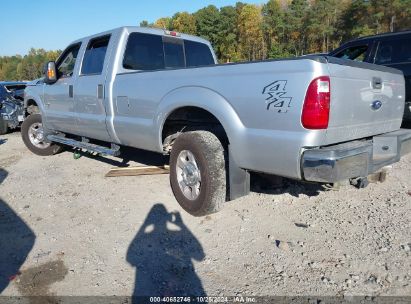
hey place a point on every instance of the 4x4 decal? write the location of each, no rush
(277, 96)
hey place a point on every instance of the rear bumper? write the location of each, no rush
(355, 159)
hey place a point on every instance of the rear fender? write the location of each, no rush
(206, 99)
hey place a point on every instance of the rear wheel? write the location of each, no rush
(197, 172)
(3, 126)
(33, 137)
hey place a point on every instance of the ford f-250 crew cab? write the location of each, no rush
(318, 119)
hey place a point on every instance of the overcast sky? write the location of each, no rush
(52, 24)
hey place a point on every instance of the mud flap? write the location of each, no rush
(239, 179)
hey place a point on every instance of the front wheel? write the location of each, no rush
(197, 172)
(33, 137)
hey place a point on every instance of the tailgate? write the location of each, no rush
(366, 100)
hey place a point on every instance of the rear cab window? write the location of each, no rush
(173, 53)
(149, 52)
(93, 61)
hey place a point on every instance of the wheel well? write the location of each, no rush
(32, 107)
(189, 119)
(31, 102)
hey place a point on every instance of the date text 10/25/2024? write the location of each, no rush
(235, 299)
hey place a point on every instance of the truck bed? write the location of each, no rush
(264, 126)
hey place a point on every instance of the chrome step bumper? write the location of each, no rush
(355, 159)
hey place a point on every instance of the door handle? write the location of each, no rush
(71, 93)
(100, 91)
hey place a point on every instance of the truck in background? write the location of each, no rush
(389, 49)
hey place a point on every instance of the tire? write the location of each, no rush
(42, 148)
(198, 172)
(3, 126)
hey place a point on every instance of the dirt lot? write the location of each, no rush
(71, 231)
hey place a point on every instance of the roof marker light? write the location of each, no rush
(172, 33)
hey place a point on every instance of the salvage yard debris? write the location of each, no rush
(140, 170)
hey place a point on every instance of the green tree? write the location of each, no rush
(356, 20)
(402, 20)
(53, 55)
(322, 23)
(208, 21)
(361, 18)
(390, 15)
(252, 46)
(227, 45)
(163, 23)
(275, 26)
(144, 23)
(25, 68)
(184, 23)
(296, 31)
(277, 29)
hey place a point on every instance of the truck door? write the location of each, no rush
(58, 97)
(90, 90)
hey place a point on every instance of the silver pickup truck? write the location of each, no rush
(315, 118)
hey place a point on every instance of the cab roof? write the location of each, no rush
(382, 35)
(147, 30)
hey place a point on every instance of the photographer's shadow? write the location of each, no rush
(16, 241)
(162, 252)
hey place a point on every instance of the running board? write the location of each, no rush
(84, 144)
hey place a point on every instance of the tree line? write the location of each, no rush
(275, 29)
(26, 67)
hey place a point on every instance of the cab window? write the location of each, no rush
(67, 62)
(357, 53)
(173, 53)
(144, 52)
(94, 56)
(147, 52)
(197, 54)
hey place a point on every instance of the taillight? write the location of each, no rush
(316, 109)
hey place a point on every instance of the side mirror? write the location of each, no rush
(50, 72)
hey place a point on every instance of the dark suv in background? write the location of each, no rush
(391, 49)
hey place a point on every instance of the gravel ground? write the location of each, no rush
(71, 231)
